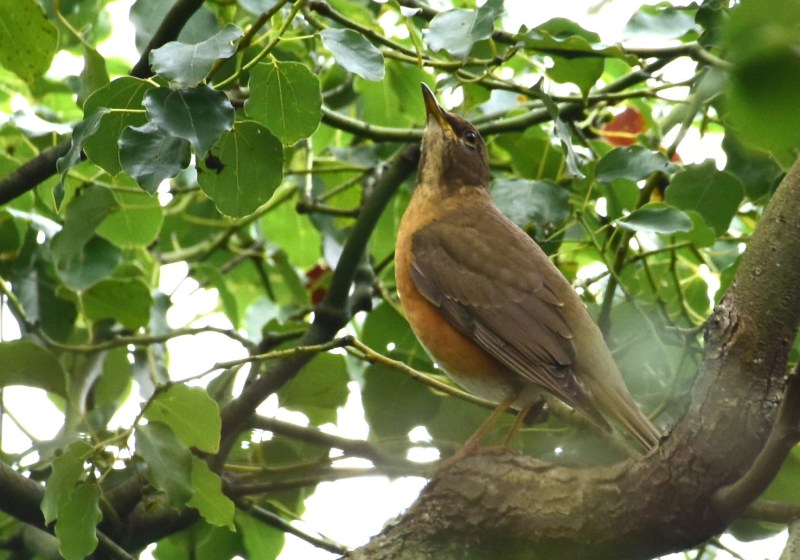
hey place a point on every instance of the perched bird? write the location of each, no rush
(486, 302)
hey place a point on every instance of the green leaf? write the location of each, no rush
(761, 40)
(197, 114)
(150, 155)
(76, 527)
(755, 169)
(657, 217)
(394, 403)
(93, 76)
(243, 170)
(399, 90)
(135, 221)
(457, 31)
(95, 260)
(126, 300)
(192, 415)
(631, 162)
(169, 462)
(713, 194)
(29, 39)
(67, 470)
(214, 506)
(23, 362)
(123, 98)
(80, 133)
(661, 21)
(285, 97)
(572, 39)
(353, 52)
(319, 390)
(700, 235)
(294, 233)
(542, 205)
(188, 65)
(260, 540)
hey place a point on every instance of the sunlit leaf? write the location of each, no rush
(354, 53)
(456, 31)
(29, 39)
(76, 527)
(214, 506)
(67, 470)
(319, 390)
(285, 97)
(125, 300)
(243, 170)
(192, 415)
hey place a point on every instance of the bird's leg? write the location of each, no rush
(473, 442)
(527, 415)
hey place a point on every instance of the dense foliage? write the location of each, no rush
(265, 149)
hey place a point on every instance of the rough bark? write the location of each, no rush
(513, 507)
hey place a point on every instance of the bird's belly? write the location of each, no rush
(460, 358)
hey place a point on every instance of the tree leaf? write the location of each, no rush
(191, 414)
(76, 527)
(285, 97)
(23, 362)
(631, 162)
(456, 31)
(126, 300)
(542, 205)
(715, 195)
(67, 470)
(80, 133)
(124, 95)
(761, 40)
(353, 52)
(394, 403)
(259, 539)
(214, 506)
(661, 21)
(29, 39)
(243, 170)
(657, 217)
(150, 155)
(135, 220)
(571, 38)
(188, 64)
(94, 74)
(197, 114)
(169, 462)
(319, 390)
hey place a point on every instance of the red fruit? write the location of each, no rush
(623, 129)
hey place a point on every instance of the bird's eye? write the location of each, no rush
(471, 137)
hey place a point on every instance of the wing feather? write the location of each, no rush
(486, 283)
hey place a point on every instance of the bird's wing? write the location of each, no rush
(483, 273)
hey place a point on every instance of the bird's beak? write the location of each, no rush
(434, 110)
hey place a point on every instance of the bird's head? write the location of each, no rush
(453, 152)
